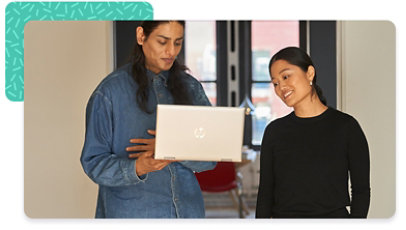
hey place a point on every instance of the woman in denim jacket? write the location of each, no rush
(120, 123)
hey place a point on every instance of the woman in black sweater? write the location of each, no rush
(308, 156)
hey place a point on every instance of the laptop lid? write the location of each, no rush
(200, 133)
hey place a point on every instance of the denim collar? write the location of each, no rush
(162, 76)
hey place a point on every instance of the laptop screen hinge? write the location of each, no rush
(227, 160)
(169, 158)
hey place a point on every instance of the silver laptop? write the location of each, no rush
(199, 133)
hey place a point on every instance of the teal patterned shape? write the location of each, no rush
(19, 13)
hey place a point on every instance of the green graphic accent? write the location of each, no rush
(19, 13)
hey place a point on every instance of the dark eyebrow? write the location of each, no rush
(283, 70)
(166, 38)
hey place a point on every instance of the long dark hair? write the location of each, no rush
(139, 72)
(298, 57)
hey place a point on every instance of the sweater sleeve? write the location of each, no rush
(358, 155)
(265, 190)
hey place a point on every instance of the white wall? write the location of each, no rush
(63, 63)
(368, 92)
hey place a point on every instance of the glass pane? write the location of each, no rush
(268, 37)
(268, 107)
(200, 49)
(211, 89)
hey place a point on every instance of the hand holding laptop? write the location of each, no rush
(145, 154)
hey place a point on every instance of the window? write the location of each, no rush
(267, 38)
(200, 55)
(206, 54)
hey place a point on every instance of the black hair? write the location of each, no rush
(298, 57)
(175, 80)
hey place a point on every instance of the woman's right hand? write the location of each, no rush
(146, 149)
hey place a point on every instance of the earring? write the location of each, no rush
(311, 83)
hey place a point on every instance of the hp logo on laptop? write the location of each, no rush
(200, 133)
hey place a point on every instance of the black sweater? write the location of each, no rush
(305, 165)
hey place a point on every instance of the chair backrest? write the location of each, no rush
(221, 178)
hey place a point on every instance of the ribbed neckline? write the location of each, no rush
(310, 119)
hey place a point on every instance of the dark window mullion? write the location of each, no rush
(303, 34)
(245, 68)
(252, 82)
(221, 59)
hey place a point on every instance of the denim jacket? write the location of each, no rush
(113, 117)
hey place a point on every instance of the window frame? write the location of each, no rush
(246, 57)
(240, 40)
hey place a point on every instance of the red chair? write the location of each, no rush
(224, 178)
